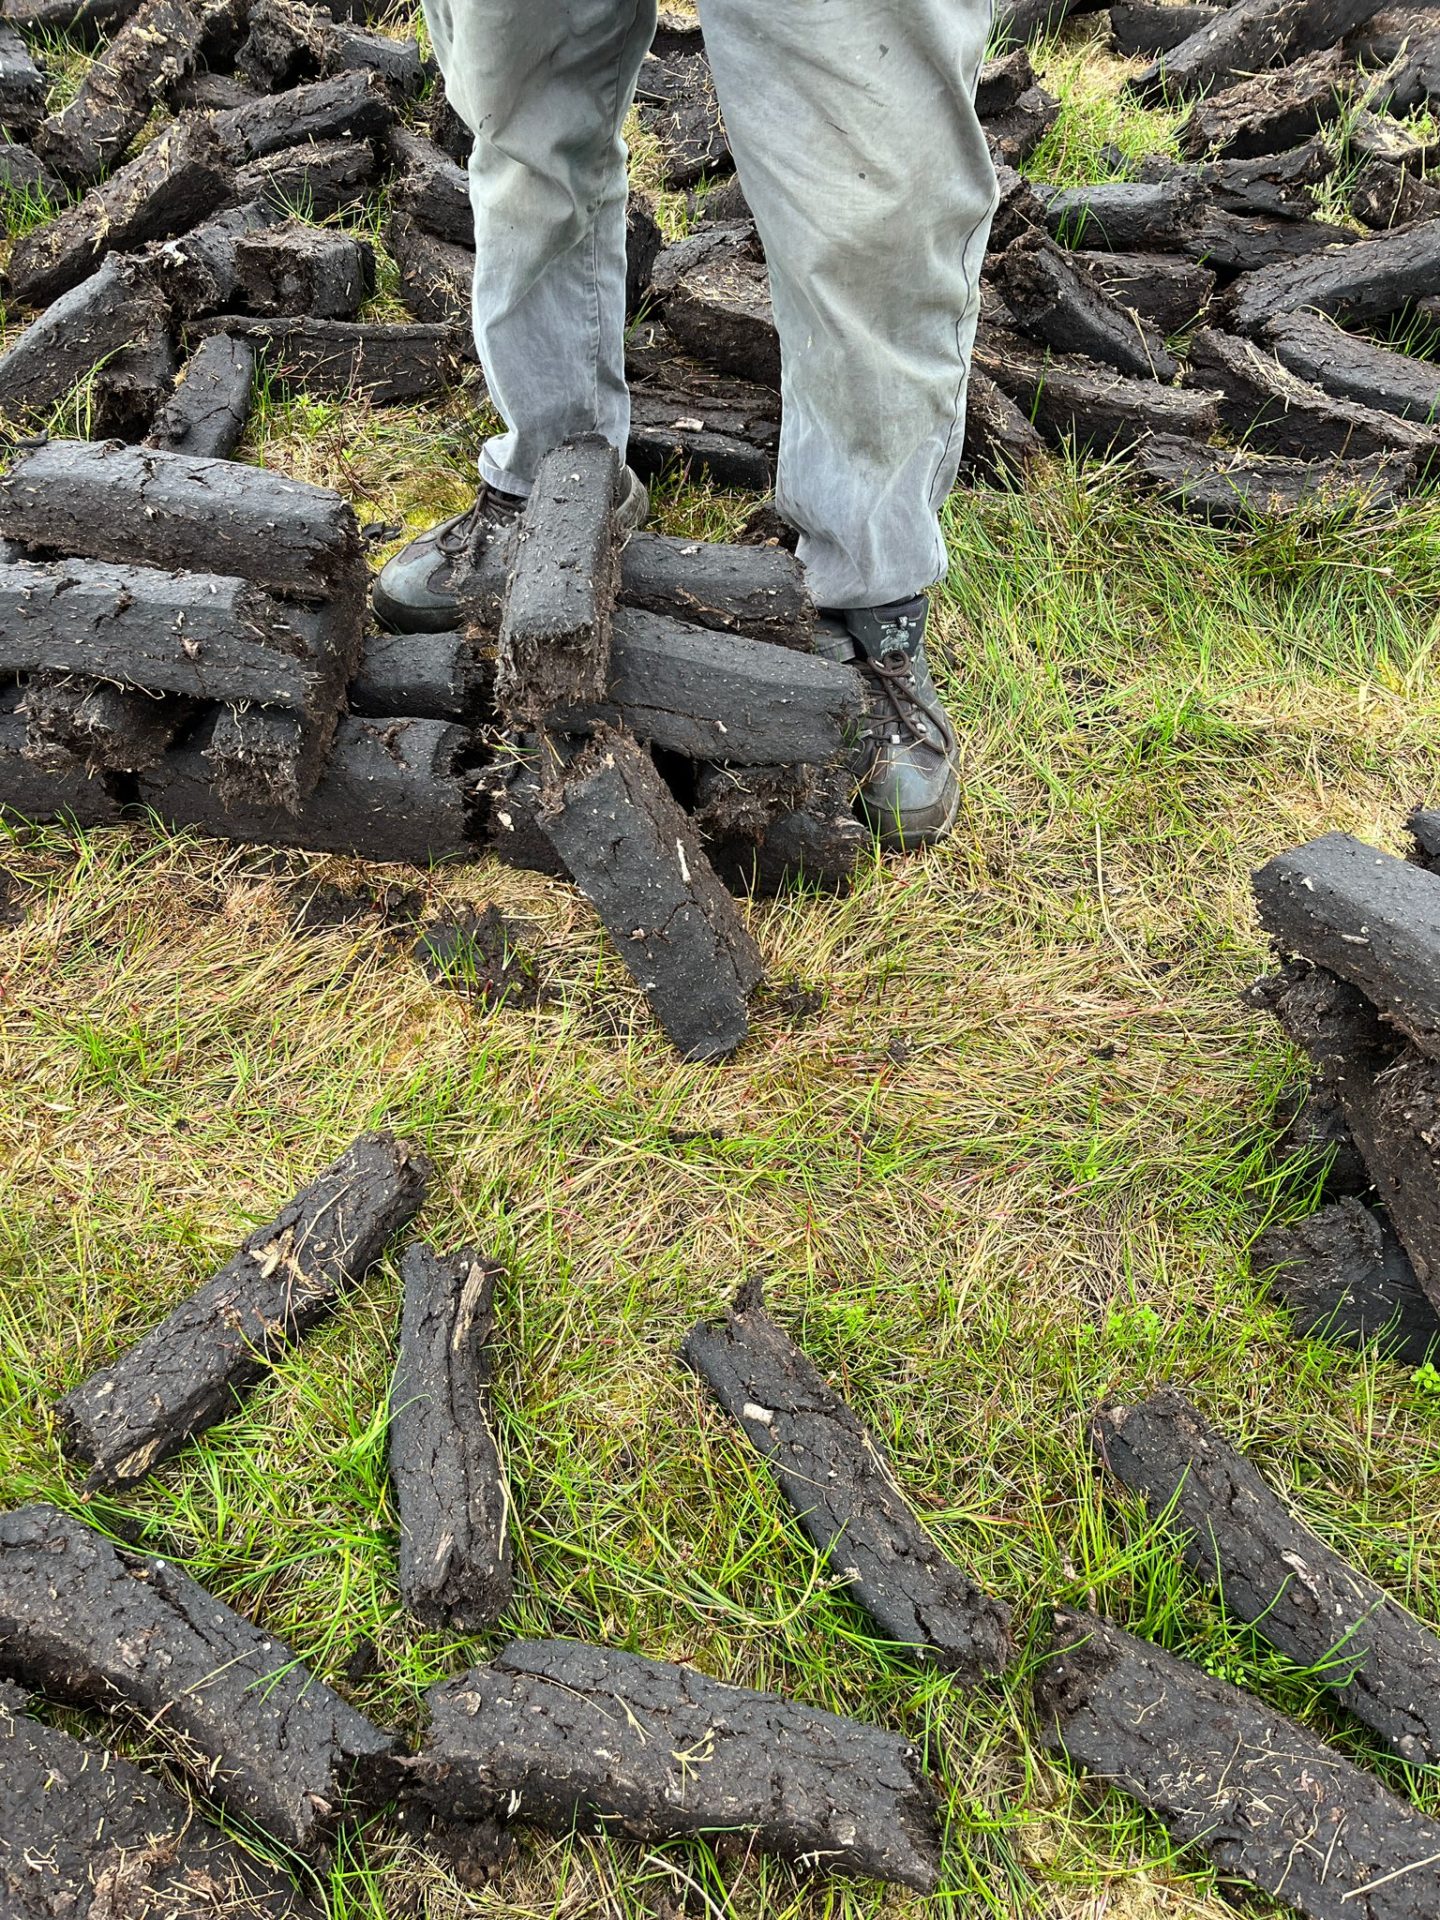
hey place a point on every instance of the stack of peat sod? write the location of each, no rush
(187, 635)
(533, 1737)
(1203, 317)
(1267, 1800)
(1360, 994)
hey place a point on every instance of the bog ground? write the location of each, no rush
(999, 1146)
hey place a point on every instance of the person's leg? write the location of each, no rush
(855, 133)
(544, 86)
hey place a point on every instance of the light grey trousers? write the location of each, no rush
(855, 135)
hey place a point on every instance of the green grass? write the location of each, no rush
(1012, 1166)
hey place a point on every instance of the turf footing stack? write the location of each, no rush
(1360, 994)
(151, 601)
(189, 636)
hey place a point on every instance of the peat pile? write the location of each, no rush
(189, 636)
(1202, 316)
(1359, 931)
(533, 1736)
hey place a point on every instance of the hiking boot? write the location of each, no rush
(910, 785)
(415, 591)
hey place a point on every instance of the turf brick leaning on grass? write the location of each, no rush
(1275, 1572)
(188, 1372)
(834, 1474)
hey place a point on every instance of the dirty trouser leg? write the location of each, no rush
(544, 85)
(855, 133)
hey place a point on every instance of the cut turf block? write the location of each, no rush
(354, 105)
(1018, 207)
(676, 96)
(719, 309)
(31, 792)
(1405, 42)
(391, 789)
(1002, 81)
(1000, 444)
(430, 188)
(732, 588)
(86, 20)
(1353, 368)
(1155, 26)
(1021, 22)
(436, 278)
(1263, 1798)
(24, 177)
(1054, 303)
(714, 696)
(1131, 216)
(297, 269)
(1230, 486)
(179, 177)
(134, 75)
(86, 1833)
(1390, 1094)
(1281, 185)
(1235, 244)
(1276, 1574)
(1012, 137)
(510, 791)
(198, 269)
(1075, 400)
(106, 729)
(1424, 827)
(268, 756)
(93, 330)
(559, 610)
(835, 1474)
(190, 1370)
(1347, 1279)
(1368, 281)
(450, 1488)
(22, 86)
(1270, 111)
(433, 676)
(1375, 136)
(1366, 916)
(643, 244)
(316, 177)
(84, 1622)
(759, 591)
(1264, 403)
(211, 92)
(1171, 294)
(208, 412)
(342, 359)
(137, 506)
(1242, 39)
(560, 1734)
(687, 415)
(200, 635)
(290, 43)
(1384, 195)
(635, 856)
(767, 829)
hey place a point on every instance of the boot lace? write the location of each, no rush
(486, 515)
(893, 676)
